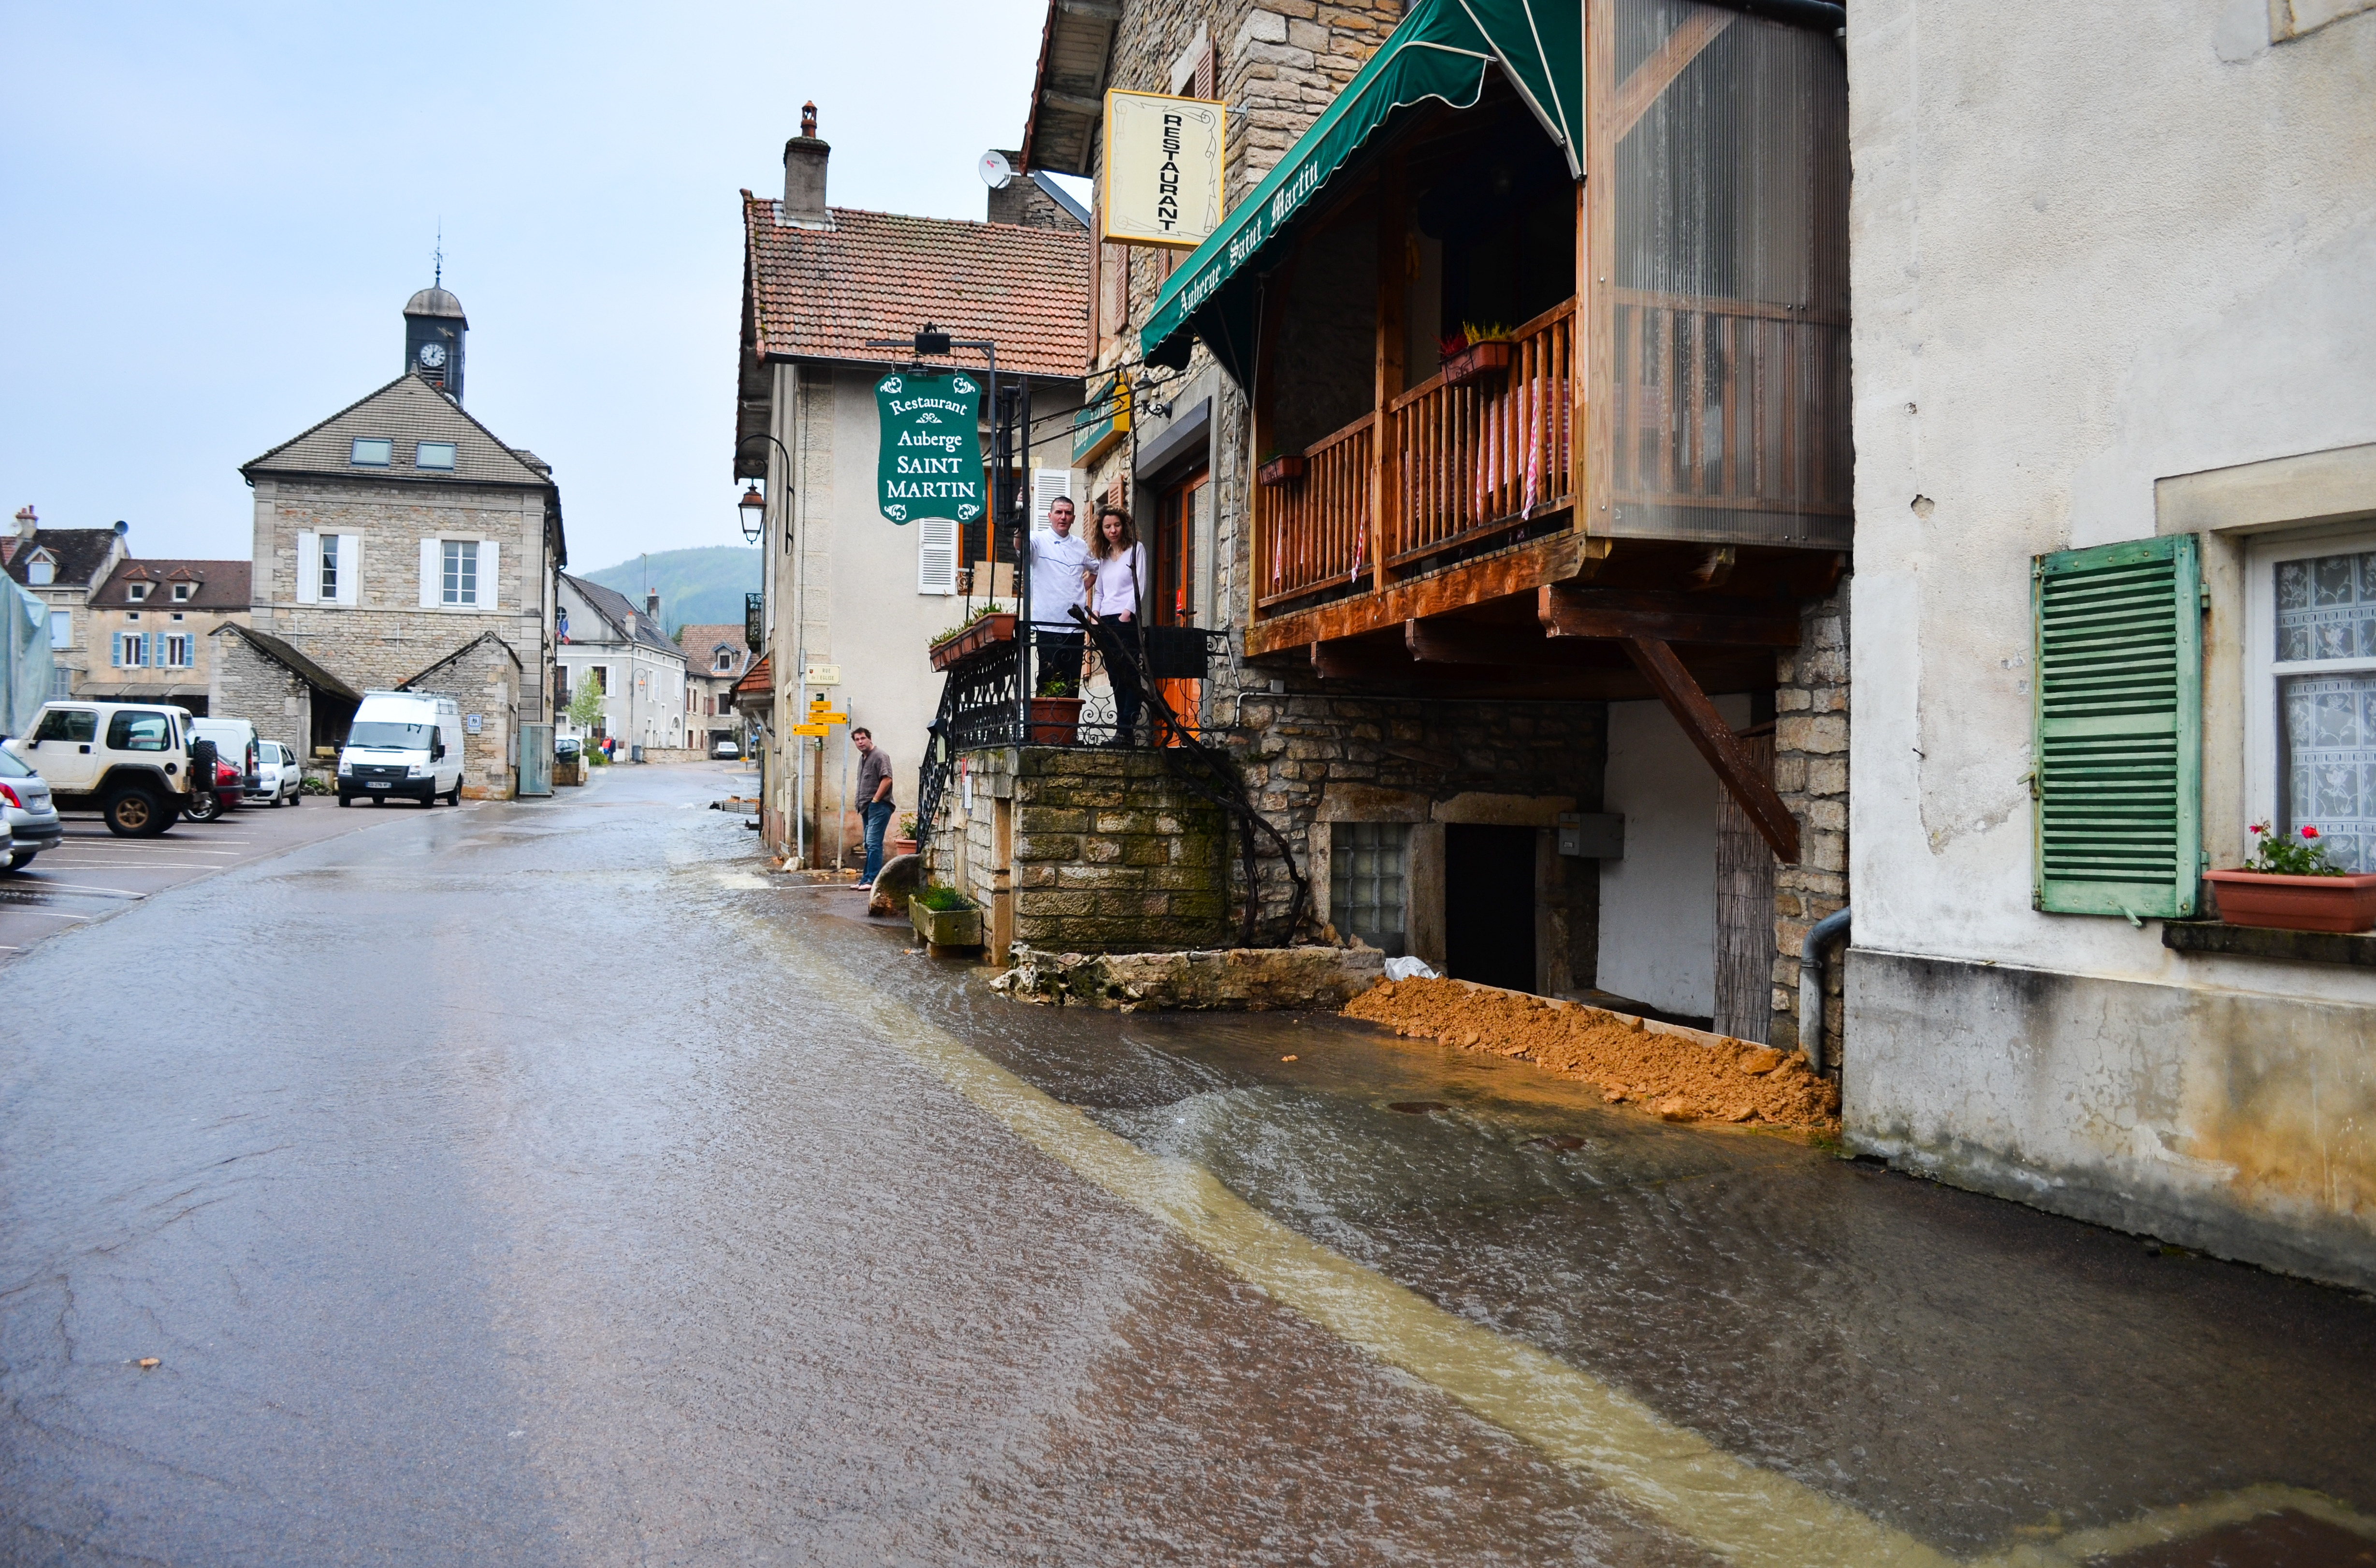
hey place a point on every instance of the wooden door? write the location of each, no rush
(1179, 512)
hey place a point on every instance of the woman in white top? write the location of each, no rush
(1115, 583)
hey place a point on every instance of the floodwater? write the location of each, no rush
(543, 1185)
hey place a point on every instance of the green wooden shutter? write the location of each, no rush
(2117, 738)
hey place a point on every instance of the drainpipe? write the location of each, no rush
(1811, 984)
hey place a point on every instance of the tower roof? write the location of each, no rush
(435, 302)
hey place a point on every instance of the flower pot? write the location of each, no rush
(2296, 903)
(903, 846)
(998, 628)
(1478, 361)
(1279, 472)
(1054, 721)
(945, 928)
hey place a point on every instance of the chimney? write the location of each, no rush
(26, 522)
(804, 158)
(652, 605)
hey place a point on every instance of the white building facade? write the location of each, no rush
(619, 651)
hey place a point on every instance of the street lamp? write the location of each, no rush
(753, 505)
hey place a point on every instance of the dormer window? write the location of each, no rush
(434, 455)
(181, 592)
(135, 593)
(42, 570)
(369, 452)
(725, 661)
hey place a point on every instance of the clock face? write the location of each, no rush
(433, 354)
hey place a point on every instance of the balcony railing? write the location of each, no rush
(1480, 458)
(1316, 531)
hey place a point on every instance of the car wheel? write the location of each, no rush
(21, 859)
(133, 813)
(298, 799)
(204, 805)
(345, 799)
(454, 796)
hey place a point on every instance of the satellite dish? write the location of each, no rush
(995, 171)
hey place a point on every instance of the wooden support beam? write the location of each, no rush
(1517, 645)
(1716, 741)
(1567, 611)
(1510, 572)
(1638, 91)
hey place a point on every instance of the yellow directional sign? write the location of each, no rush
(826, 715)
(811, 729)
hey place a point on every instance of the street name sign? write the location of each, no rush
(929, 461)
(1162, 169)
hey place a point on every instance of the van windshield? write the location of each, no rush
(390, 736)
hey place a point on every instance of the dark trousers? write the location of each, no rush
(877, 816)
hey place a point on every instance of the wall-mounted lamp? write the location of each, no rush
(755, 514)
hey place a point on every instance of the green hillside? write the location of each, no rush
(697, 587)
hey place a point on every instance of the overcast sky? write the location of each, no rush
(214, 214)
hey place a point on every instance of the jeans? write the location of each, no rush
(877, 816)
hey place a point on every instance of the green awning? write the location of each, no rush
(1440, 51)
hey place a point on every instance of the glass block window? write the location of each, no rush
(368, 453)
(1368, 881)
(459, 580)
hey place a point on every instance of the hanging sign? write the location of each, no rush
(930, 462)
(1162, 169)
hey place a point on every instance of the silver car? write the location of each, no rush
(31, 815)
(279, 779)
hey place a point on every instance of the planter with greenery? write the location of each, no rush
(904, 841)
(2290, 885)
(993, 623)
(1054, 719)
(946, 918)
(1285, 469)
(1475, 353)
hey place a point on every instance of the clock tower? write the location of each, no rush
(433, 329)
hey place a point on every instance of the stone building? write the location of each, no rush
(1537, 653)
(851, 599)
(715, 656)
(63, 567)
(401, 543)
(619, 650)
(151, 630)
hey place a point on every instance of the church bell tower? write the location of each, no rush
(434, 329)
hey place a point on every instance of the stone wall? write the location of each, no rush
(1111, 854)
(484, 678)
(1811, 774)
(243, 683)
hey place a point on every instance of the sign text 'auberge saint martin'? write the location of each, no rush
(1163, 169)
(929, 465)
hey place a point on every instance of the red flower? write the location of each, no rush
(2257, 827)
(2309, 832)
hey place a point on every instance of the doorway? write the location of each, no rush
(1179, 518)
(1489, 905)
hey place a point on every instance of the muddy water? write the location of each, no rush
(558, 1191)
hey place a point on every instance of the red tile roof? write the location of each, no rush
(700, 640)
(760, 681)
(819, 293)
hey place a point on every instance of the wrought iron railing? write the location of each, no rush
(755, 620)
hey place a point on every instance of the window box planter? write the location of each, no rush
(2296, 903)
(1279, 472)
(1054, 721)
(1489, 357)
(945, 928)
(971, 639)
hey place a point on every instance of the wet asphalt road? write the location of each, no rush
(542, 1183)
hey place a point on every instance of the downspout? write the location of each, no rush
(1811, 984)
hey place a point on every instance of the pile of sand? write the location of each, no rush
(1681, 1077)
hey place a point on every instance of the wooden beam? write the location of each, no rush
(1700, 26)
(1568, 612)
(1547, 560)
(1517, 646)
(1707, 731)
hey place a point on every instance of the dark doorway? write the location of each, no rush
(1489, 905)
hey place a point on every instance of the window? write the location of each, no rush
(62, 628)
(458, 579)
(326, 565)
(601, 675)
(41, 571)
(182, 592)
(179, 616)
(1368, 883)
(68, 724)
(135, 593)
(177, 650)
(725, 661)
(372, 454)
(434, 455)
(2319, 695)
(135, 615)
(138, 731)
(560, 685)
(131, 649)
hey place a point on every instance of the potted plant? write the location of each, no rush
(1475, 353)
(993, 623)
(1284, 469)
(1055, 713)
(2292, 885)
(946, 918)
(905, 842)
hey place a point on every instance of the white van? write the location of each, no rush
(235, 743)
(406, 746)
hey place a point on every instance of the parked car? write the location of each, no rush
(30, 814)
(404, 745)
(725, 751)
(278, 779)
(127, 761)
(236, 742)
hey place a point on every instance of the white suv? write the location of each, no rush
(128, 761)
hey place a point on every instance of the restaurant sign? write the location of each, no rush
(1162, 169)
(930, 462)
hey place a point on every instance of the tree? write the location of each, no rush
(586, 706)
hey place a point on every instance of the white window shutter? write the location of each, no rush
(351, 569)
(309, 567)
(432, 564)
(490, 558)
(1049, 486)
(936, 556)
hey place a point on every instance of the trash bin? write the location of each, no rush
(635, 753)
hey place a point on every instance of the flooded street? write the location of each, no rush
(545, 1183)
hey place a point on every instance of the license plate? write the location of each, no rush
(370, 785)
